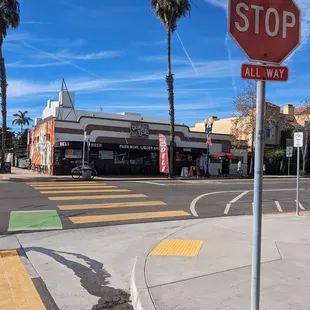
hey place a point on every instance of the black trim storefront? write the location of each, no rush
(118, 159)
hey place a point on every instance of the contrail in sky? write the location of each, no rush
(186, 53)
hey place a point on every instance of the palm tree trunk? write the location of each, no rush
(3, 103)
(21, 128)
(169, 81)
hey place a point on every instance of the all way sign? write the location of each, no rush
(264, 73)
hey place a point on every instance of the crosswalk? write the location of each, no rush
(83, 202)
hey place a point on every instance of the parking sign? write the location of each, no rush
(298, 139)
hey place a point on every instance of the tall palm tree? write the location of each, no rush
(21, 119)
(169, 12)
(9, 18)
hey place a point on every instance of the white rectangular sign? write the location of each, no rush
(289, 151)
(298, 139)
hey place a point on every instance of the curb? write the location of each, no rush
(141, 298)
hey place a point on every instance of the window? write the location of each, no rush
(120, 157)
(106, 154)
(270, 132)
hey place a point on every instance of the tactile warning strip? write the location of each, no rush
(178, 248)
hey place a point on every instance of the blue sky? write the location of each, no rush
(113, 55)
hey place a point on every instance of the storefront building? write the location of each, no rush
(119, 144)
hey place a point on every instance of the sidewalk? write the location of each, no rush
(189, 265)
(26, 175)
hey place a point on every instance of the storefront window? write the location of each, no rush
(106, 154)
(120, 157)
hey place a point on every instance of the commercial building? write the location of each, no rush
(124, 143)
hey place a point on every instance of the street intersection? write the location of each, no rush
(44, 205)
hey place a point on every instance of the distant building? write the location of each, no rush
(118, 143)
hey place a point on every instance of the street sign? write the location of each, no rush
(298, 139)
(267, 31)
(264, 73)
(289, 151)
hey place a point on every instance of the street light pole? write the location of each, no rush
(208, 130)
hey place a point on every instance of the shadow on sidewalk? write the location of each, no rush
(93, 278)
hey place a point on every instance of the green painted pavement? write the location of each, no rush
(34, 220)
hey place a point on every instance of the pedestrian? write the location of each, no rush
(239, 167)
(264, 169)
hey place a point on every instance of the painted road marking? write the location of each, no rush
(98, 197)
(86, 191)
(226, 211)
(194, 202)
(148, 182)
(278, 206)
(177, 248)
(126, 216)
(34, 220)
(17, 290)
(113, 205)
(301, 206)
(74, 187)
(46, 184)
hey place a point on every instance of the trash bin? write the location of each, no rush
(86, 173)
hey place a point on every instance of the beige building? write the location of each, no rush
(279, 125)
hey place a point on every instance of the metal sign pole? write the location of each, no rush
(297, 185)
(258, 195)
(289, 165)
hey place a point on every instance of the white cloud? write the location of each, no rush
(32, 22)
(19, 64)
(208, 70)
(65, 54)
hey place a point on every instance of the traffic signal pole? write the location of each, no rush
(258, 195)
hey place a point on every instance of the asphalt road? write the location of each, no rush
(65, 205)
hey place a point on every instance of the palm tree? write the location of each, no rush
(21, 119)
(9, 18)
(169, 12)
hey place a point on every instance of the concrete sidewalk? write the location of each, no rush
(188, 265)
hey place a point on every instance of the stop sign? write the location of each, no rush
(267, 31)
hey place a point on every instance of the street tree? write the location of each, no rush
(21, 119)
(9, 18)
(243, 122)
(169, 12)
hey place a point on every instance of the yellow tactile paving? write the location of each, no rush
(79, 191)
(98, 197)
(75, 187)
(125, 216)
(17, 291)
(177, 248)
(113, 205)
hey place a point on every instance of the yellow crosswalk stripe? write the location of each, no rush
(76, 187)
(126, 216)
(86, 191)
(17, 290)
(97, 197)
(113, 205)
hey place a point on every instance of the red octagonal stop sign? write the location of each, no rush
(267, 31)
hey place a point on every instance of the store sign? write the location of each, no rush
(138, 147)
(139, 130)
(163, 154)
(64, 144)
(95, 145)
(187, 150)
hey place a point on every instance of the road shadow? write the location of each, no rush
(93, 277)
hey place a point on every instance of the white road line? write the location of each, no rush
(194, 202)
(278, 206)
(301, 206)
(227, 208)
(233, 201)
(148, 182)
